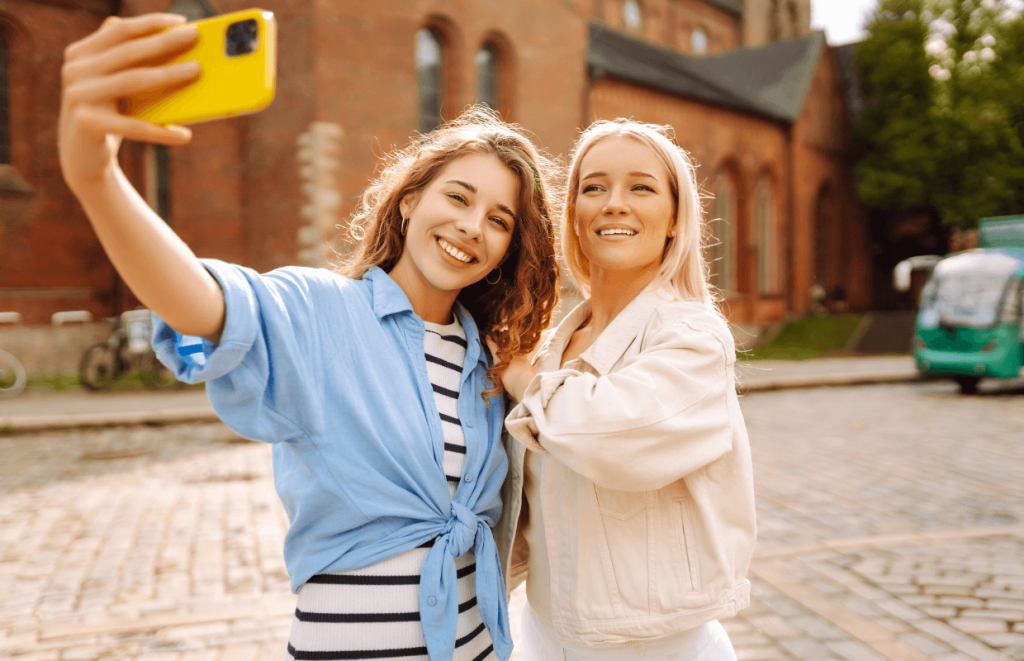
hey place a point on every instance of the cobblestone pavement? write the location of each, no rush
(891, 527)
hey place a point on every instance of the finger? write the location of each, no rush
(120, 30)
(130, 53)
(134, 81)
(106, 121)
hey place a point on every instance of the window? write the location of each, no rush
(488, 76)
(5, 118)
(631, 15)
(723, 268)
(430, 74)
(767, 239)
(157, 173)
(699, 41)
(193, 10)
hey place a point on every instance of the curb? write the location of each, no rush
(157, 417)
(10, 425)
(832, 381)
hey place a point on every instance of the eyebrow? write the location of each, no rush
(473, 189)
(632, 174)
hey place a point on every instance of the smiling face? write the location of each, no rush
(625, 208)
(459, 228)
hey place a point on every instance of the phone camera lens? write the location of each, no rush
(242, 38)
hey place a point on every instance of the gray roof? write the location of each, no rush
(734, 7)
(846, 58)
(770, 81)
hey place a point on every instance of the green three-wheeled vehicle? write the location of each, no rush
(969, 325)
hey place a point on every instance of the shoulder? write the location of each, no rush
(694, 323)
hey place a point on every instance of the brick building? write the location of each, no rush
(754, 95)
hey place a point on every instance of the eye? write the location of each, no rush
(498, 220)
(643, 187)
(590, 188)
(459, 197)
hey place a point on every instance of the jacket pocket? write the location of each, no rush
(620, 504)
(687, 549)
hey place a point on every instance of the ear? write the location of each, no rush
(408, 203)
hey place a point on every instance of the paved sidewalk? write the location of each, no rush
(41, 408)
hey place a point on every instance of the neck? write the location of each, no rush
(428, 302)
(612, 291)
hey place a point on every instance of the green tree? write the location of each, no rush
(893, 140)
(943, 127)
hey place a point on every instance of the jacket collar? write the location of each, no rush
(388, 299)
(613, 342)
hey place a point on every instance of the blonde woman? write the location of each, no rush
(637, 519)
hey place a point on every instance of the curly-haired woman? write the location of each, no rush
(371, 381)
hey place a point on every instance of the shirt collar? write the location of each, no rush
(389, 298)
(616, 338)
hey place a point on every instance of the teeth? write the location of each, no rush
(454, 252)
(616, 231)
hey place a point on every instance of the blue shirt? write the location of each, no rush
(332, 372)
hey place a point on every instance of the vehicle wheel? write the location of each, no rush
(155, 374)
(12, 375)
(968, 384)
(98, 367)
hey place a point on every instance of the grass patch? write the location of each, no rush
(808, 337)
(130, 382)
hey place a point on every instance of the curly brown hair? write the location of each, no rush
(514, 311)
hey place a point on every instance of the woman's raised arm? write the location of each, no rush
(98, 70)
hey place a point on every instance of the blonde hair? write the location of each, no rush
(518, 306)
(684, 271)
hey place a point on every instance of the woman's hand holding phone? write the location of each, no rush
(104, 67)
(98, 70)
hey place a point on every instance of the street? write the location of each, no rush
(891, 526)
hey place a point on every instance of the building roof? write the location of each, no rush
(846, 58)
(770, 81)
(733, 7)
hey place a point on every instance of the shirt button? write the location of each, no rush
(432, 601)
(468, 478)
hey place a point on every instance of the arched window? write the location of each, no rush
(5, 104)
(488, 76)
(767, 239)
(699, 41)
(193, 10)
(723, 269)
(632, 17)
(430, 72)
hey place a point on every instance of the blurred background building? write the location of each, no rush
(760, 101)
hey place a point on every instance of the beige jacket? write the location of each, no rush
(647, 488)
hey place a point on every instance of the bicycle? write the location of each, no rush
(127, 348)
(12, 372)
(12, 375)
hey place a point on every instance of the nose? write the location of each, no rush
(615, 203)
(471, 225)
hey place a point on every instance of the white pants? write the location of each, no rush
(705, 643)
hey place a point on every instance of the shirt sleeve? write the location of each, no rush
(662, 415)
(260, 377)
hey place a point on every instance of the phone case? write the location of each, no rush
(237, 54)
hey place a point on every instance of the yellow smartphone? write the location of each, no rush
(237, 55)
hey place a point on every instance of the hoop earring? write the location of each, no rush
(405, 225)
(496, 280)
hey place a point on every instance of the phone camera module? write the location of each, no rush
(243, 38)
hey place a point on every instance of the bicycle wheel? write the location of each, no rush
(155, 374)
(98, 367)
(12, 375)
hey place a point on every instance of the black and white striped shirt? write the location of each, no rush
(373, 613)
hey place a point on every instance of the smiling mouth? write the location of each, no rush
(617, 232)
(454, 252)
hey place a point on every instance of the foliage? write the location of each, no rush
(943, 127)
(807, 337)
